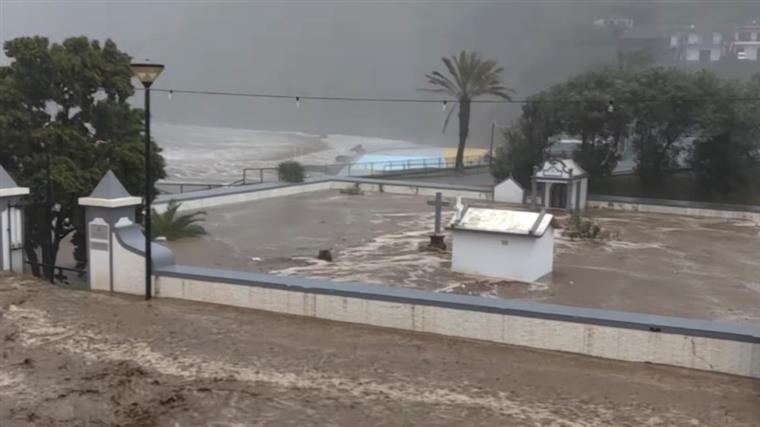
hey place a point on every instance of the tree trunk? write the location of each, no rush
(464, 130)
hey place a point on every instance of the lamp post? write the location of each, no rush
(147, 74)
(490, 149)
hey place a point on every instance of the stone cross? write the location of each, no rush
(439, 204)
(436, 239)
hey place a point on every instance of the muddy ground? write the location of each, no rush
(660, 264)
(77, 358)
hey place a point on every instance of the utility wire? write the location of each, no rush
(299, 98)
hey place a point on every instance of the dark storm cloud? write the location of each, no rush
(359, 48)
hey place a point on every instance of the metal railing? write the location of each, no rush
(262, 173)
(58, 271)
(353, 169)
(165, 187)
(383, 167)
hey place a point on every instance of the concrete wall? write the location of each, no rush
(682, 208)
(11, 235)
(230, 195)
(711, 346)
(503, 256)
(508, 191)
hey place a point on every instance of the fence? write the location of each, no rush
(174, 187)
(62, 274)
(363, 169)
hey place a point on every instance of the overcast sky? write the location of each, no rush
(337, 48)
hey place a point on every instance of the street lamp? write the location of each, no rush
(147, 74)
(494, 125)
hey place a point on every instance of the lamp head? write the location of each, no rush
(145, 72)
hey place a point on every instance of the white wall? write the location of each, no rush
(128, 270)
(676, 210)
(710, 354)
(11, 259)
(510, 257)
(5, 243)
(508, 191)
(400, 188)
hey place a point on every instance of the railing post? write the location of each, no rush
(244, 171)
(261, 175)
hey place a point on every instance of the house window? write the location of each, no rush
(673, 41)
(704, 55)
(693, 38)
(741, 53)
(743, 36)
(717, 38)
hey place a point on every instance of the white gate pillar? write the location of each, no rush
(11, 224)
(115, 243)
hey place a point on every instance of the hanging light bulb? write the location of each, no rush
(169, 95)
(611, 107)
(298, 102)
(443, 105)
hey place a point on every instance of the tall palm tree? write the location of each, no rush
(470, 76)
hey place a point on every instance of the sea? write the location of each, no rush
(219, 155)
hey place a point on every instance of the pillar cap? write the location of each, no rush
(109, 193)
(8, 187)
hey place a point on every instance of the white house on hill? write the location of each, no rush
(507, 244)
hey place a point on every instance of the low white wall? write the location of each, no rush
(128, 270)
(248, 196)
(676, 210)
(372, 187)
(710, 354)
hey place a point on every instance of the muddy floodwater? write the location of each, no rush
(660, 264)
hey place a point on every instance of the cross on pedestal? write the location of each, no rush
(436, 239)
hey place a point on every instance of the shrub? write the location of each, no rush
(174, 226)
(585, 229)
(290, 171)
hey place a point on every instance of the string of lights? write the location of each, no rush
(445, 102)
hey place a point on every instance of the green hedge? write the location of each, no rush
(290, 171)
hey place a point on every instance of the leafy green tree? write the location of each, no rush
(725, 152)
(64, 122)
(580, 107)
(470, 77)
(173, 226)
(667, 103)
(526, 142)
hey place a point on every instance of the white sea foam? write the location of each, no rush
(215, 154)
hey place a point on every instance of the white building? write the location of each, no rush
(507, 244)
(561, 184)
(11, 224)
(702, 46)
(508, 191)
(746, 43)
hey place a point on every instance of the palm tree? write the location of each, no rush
(173, 226)
(470, 77)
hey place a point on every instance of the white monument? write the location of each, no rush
(508, 191)
(115, 243)
(507, 244)
(560, 184)
(11, 224)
